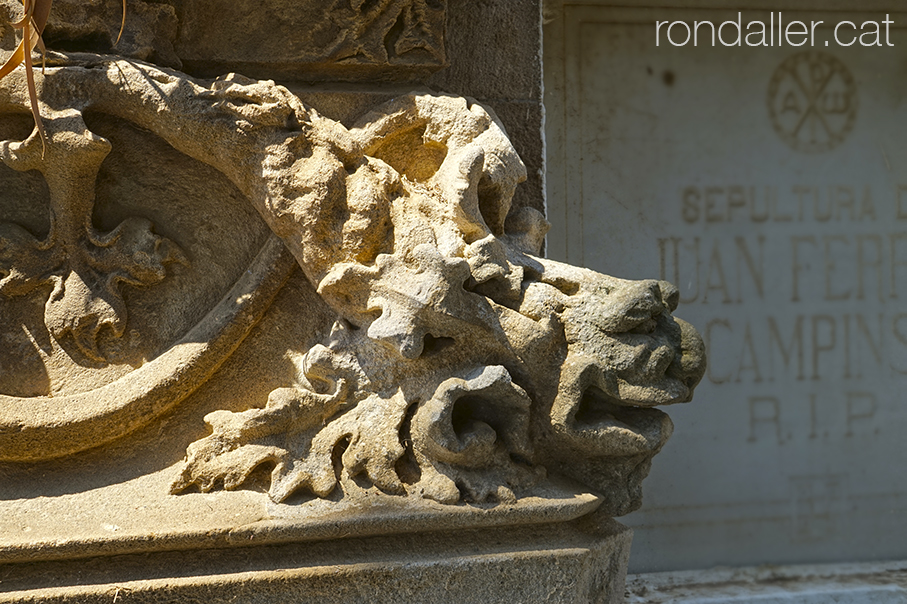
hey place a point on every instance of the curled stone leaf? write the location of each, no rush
(281, 434)
(474, 432)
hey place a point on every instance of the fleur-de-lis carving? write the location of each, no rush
(83, 267)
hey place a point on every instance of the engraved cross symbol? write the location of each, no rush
(83, 267)
(820, 75)
(812, 101)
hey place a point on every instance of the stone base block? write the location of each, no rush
(580, 561)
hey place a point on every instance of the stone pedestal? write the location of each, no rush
(580, 561)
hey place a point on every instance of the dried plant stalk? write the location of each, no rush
(32, 25)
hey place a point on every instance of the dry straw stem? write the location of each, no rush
(32, 25)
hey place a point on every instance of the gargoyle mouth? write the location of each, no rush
(633, 429)
(601, 439)
(589, 414)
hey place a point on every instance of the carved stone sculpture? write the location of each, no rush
(408, 362)
(460, 366)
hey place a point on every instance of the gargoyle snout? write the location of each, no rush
(689, 364)
(670, 295)
(640, 303)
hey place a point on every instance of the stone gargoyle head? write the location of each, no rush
(461, 365)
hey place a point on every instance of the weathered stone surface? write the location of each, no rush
(520, 118)
(149, 29)
(459, 368)
(400, 224)
(337, 40)
(483, 37)
(550, 563)
(238, 321)
(336, 50)
(340, 40)
(495, 51)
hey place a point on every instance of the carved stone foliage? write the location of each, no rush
(356, 40)
(108, 271)
(461, 366)
(339, 39)
(84, 267)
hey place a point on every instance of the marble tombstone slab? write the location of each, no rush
(770, 185)
(267, 343)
